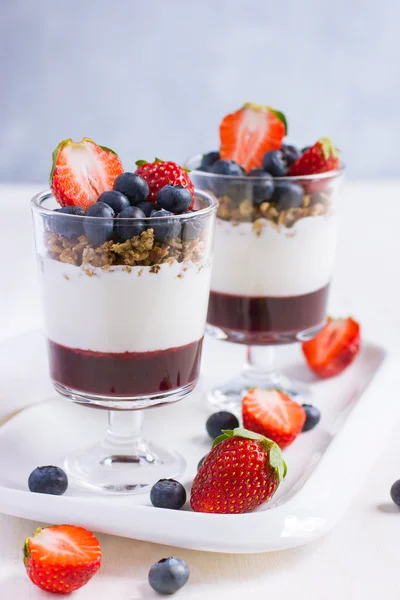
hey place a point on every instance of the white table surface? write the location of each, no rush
(359, 558)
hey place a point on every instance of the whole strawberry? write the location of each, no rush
(323, 156)
(242, 471)
(161, 173)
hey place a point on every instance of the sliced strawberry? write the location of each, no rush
(323, 156)
(274, 415)
(334, 348)
(161, 173)
(82, 171)
(61, 558)
(247, 134)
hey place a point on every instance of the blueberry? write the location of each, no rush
(48, 480)
(133, 186)
(116, 200)
(395, 492)
(313, 416)
(290, 153)
(274, 162)
(192, 228)
(65, 226)
(134, 226)
(263, 190)
(99, 230)
(146, 207)
(174, 198)
(288, 194)
(168, 493)
(200, 463)
(168, 575)
(208, 160)
(219, 421)
(165, 228)
(227, 167)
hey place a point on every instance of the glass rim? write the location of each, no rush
(254, 178)
(38, 199)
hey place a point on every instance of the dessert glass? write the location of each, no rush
(124, 323)
(271, 272)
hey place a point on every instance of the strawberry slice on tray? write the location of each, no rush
(247, 134)
(82, 171)
(334, 348)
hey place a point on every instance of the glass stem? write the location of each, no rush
(124, 428)
(260, 362)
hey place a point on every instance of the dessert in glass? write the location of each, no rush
(124, 268)
(275, 242)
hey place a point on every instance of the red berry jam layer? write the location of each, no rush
(127, 373)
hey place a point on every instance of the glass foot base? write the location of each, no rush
(118, 469)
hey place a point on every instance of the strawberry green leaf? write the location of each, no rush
(281, 117)
(55, 156)
(108, 150)
(140, 163)
(328, 148)
(158, 160)
(276, 461)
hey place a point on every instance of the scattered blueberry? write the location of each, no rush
(168, 493)
(208, 160)
(135, 226)
(274, 162)
(200, 463)
(165, 228)
(168, 575)
(262, 190)
(146, 207)
(227, 167)
(290, 153)
(116, 200)
(313, 416)
(192, 228)
(395, 492)
(48, 480)
(133, 186)
(288, 194)
(175, 198)
(64, 225)
(219, 421)
(99, 230)
(305, 148)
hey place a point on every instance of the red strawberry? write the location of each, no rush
(334, 348)
(320, 158)
(242, 471)
(273, 414)
(61, 558)
(247, 134)
(160, 173)
(82, 171)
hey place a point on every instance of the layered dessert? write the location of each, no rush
(276, 229)
(125, 273)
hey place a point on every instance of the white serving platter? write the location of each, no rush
(326, 466)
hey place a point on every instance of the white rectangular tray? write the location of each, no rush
(325, 466)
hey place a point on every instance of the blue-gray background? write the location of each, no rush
(154, 77)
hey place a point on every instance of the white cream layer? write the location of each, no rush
(285, 262)
(121, 311)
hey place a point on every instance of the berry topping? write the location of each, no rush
(82, 171)
(174, 198)
(160, 173)
(133, 186)
(116, 200)
(273, 414)
(166, 228)
(146, 207)
(320, 158)
(395, 492)
(274, 162)
(48, 480)
(168, 493)
(65, 226)
(247, 134)
(127, 229)
(99, 230)
(61, 558)
(209, 159)
(262, 190)
(334, 348)
(242, 471)
(219, 421)
(313, 417)
(290, 153)
(168, 575)
(227, 167)
(288, 195)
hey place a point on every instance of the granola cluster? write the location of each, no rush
(142, 250)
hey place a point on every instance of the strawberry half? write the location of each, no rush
(61, 558)
(161, 173)
(242, 471)
(323, 156)
(334, 348)
(273, 414)
(82, 171)
(247, 134)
